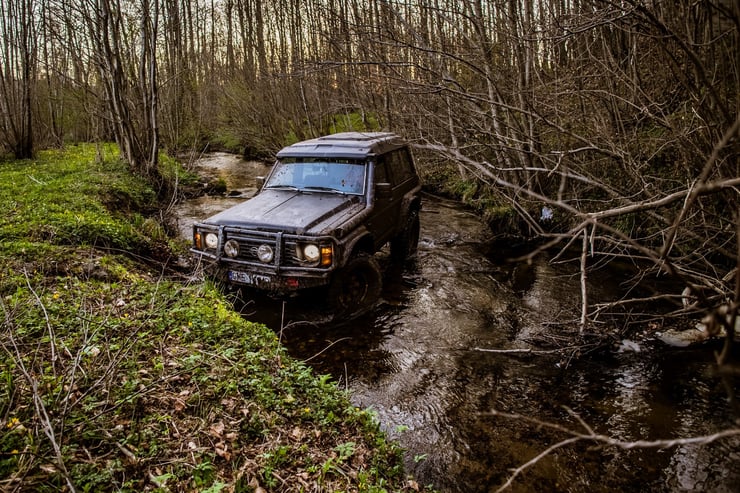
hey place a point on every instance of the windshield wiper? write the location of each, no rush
(325, 189)
(283, 187)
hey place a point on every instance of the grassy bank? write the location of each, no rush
(119, 375)
(442, 178)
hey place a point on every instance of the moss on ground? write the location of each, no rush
(119, 375)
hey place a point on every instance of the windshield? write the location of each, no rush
(319, 174)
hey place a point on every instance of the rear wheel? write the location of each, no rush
(356, 287)
(405, 244)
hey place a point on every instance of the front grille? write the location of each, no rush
(284, 247)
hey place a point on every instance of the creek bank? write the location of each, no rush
(123, 377)
(223, 174)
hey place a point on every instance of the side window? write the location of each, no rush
(400, 165)
(381, 171)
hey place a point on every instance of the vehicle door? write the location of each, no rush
(392, 173)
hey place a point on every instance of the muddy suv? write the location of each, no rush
(325, 208)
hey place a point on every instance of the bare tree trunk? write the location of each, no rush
(18, 76)
(148, 86)
(132, 105)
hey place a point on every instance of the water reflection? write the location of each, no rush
(240, 177)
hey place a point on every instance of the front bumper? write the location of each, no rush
(284, 283)
(286, 272)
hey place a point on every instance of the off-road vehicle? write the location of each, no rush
(326, 207)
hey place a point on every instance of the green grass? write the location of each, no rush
(69, 198)
(353, 122)
(119, 376)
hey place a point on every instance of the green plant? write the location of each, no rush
(203, 473)
(345, 450)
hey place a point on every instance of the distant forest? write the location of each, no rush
(619, 116)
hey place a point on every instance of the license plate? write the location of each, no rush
(249, 278)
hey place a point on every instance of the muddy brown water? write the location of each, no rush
(418, 360)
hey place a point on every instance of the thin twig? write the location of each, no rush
(584, 278)
(516, 472)
(325, 349)
(52, 339)
(42, 415)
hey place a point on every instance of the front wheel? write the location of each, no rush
(356, 287)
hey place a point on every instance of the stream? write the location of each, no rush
(420, 361)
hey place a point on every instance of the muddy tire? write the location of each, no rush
(405, 244)
(356, 287)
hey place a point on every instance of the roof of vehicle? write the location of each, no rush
(345, 144)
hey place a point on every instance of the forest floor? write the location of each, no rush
(123, 373)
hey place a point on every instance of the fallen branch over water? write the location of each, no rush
(591, 435)
(566, 349)
(522, 351)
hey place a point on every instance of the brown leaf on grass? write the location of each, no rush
(217, 429)
(303, 478)
(222, 450)
(297, 434)
(179, 405)
(255, 485)
(360, 458)
(180, 401)
(228, 404)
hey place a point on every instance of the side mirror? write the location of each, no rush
(260, 182)
(383, 190)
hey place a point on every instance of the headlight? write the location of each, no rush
(311, 253)
(231, 248)
(265, 253)
(211, 240)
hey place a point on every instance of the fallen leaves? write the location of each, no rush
(225, 439)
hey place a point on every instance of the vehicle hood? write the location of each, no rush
(291, 212)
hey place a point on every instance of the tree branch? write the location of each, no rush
(592, 436)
